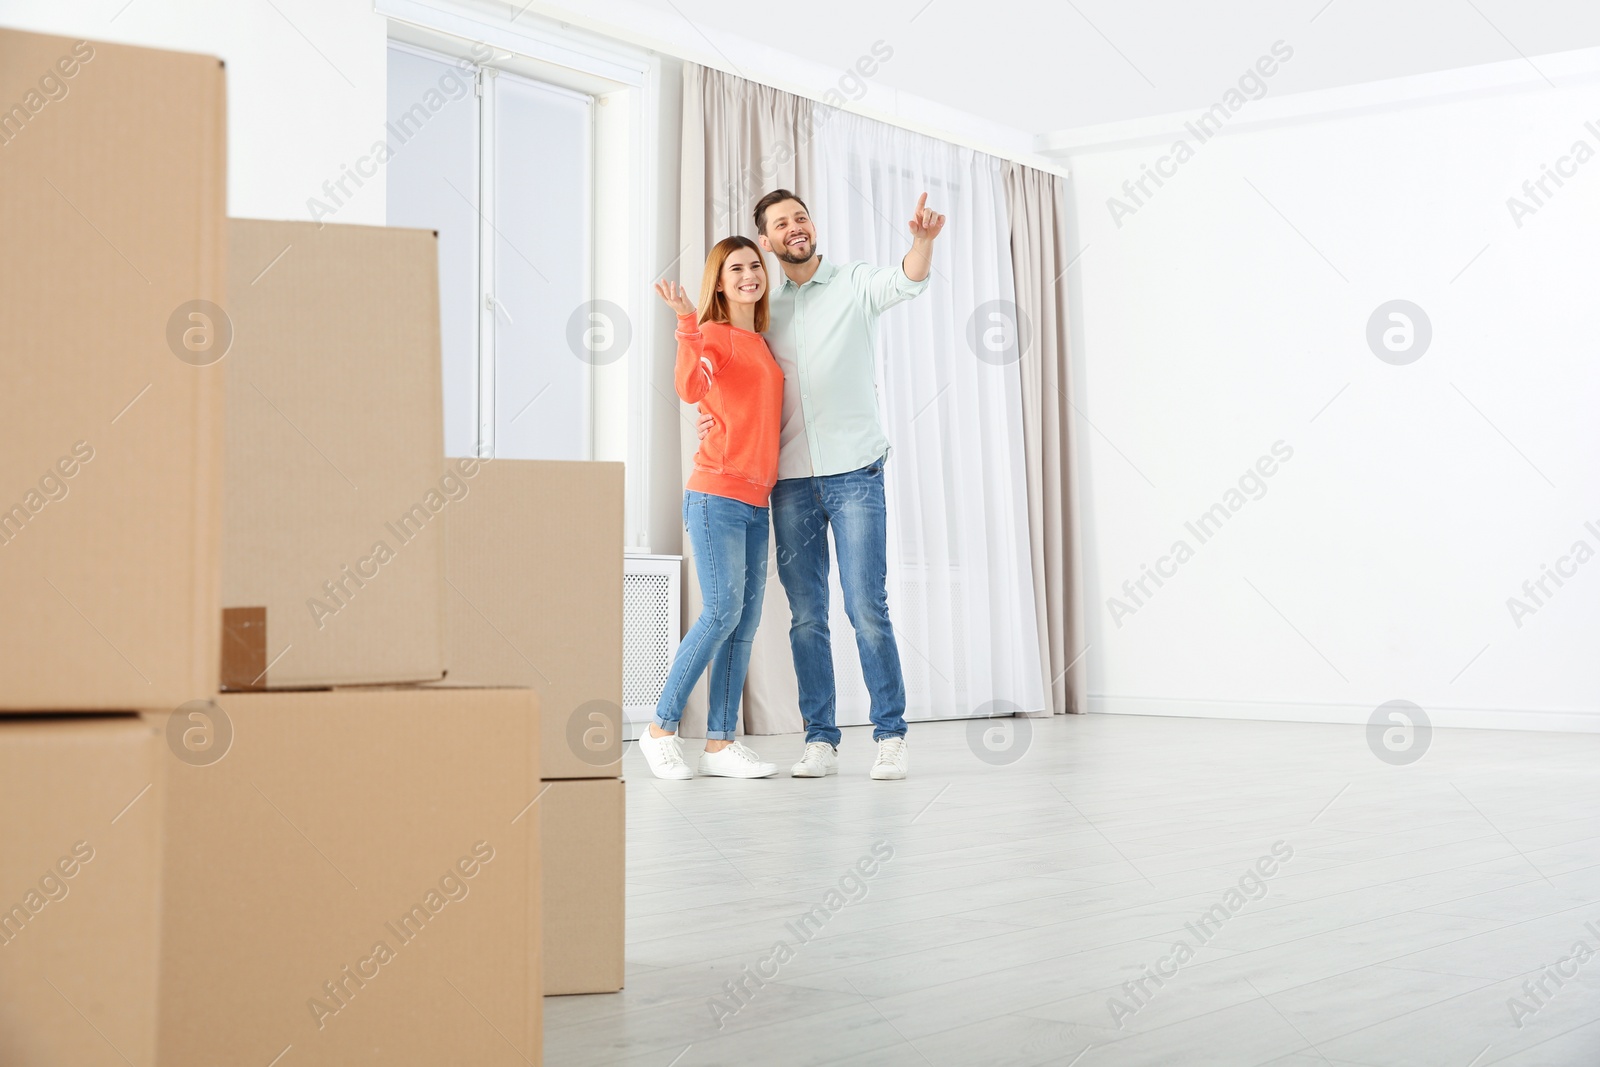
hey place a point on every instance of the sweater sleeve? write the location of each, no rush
(696, 363)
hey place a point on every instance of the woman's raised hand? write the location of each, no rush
(675, 297)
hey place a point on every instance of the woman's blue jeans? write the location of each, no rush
(729, 540)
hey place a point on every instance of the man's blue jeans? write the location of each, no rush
(729, 538)
(802, 511)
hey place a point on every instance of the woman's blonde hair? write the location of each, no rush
(714, 303)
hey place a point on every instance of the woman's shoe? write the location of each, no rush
(665, 756)
(735, 761)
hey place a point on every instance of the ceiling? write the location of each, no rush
(1043, 66)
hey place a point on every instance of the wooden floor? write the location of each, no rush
(1019, 897)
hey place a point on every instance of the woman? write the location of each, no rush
(724, 365)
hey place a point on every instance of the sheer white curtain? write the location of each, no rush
(960, 569)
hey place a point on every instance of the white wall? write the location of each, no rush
(296, 118)
(1379, 562)
(777, 45)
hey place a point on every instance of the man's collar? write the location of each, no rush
(825, 271)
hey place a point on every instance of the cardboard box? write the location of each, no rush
(534, 569)
(112, 261)
(356, 877)
(584, 863)
(79, 891)
(333, 559)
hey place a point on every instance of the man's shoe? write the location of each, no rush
(664, 755)
(819, 760)
(890, 765)
(735, 761)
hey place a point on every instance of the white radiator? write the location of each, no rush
(651, 617)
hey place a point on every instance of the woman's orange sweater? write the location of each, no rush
(731, 374)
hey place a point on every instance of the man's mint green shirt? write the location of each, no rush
(824, 334)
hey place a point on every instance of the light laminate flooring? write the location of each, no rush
(992, 909)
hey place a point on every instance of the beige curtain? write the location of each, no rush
(740, 141)
(1037, 204)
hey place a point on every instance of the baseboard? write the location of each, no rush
(1348, 714)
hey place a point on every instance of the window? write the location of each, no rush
(532, 147)
(501, 166)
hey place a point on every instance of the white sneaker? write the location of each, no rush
(891, 762)
(819, 760)
(664, 755)
(735, 761)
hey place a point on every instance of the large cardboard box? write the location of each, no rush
(79, 891)
(333, 558)
(584, 849)
(534, 568)
(356, 877)
(112, 262)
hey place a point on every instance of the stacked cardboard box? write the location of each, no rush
(359, 877)
(112, 267)
(358, 880)
(354, 873)
(534, 562)
(333, 559)
(80, 867)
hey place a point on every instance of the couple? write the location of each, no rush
(796, 423)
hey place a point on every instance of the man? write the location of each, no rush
(832, 449)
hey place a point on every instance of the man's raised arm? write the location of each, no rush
(925, 226)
